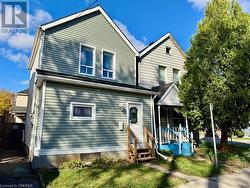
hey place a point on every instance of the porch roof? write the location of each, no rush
(168, 95)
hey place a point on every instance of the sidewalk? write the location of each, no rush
(236, 180)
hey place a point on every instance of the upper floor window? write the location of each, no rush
(162, 73)
(87, 60)
(168, 50)
(108, 65)
(176, 76)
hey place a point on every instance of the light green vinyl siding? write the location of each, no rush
(149, 66)
(59, 132)
(62, 43)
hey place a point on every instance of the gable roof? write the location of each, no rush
(167, 36)
(71, 17)
(23, 92)
(168, 95)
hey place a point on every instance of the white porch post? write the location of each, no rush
(192, 142)
(180, 139)
(159, 120)
(168, 133)
(167, 116)
(187, 128)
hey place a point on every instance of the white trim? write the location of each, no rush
(166, 93)
(39, 136)
(177, 74)
(151, 112)
(165, 73)
(91, 84)
(146, 50)
(93, 59)
(159, 122)
(41, 52)
(80, 150)
(93, 108)
(114, 64)
(86, 12)
(136, 79)
(35, 47)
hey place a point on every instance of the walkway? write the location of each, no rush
(236, 180)
(15, 170)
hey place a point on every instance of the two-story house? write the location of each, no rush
(90, 88)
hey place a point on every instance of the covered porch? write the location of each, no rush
(172, 131)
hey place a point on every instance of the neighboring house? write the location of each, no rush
(19, 108)
(247, 131)
(90, 88)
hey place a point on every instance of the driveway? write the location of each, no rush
(15, 170)
(236, 180)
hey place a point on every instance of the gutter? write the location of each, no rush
(41, 78)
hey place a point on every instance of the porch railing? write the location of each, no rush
(132, 147)
(175, 134)
(150, 141)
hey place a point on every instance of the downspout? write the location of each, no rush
(156, 143)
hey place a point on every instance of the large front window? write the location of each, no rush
(87, 60)
(82, 111)
(108, 70)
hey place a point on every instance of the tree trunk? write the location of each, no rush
(224, 138)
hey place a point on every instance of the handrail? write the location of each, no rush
(134, 150)
(150, 137)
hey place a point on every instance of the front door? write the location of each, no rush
(136, 120)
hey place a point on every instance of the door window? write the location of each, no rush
(133, 115)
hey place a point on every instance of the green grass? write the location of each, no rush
(110, 176)
(201, 164)
(190, 166)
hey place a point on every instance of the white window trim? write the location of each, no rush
(114, 64)
(166, 73)
(93, 106)
(179, 79)
(94, 59)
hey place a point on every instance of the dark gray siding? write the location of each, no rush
(61, 47)
(61, 133)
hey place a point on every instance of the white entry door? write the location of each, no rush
(135, 120)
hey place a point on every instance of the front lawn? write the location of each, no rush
(128, 175)
(201, 163)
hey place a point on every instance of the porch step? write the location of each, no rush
(146, 158)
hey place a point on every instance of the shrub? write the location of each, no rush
(239, 133)
(75, 164)
(207, 147)
(99, 162)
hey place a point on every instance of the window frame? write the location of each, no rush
(93, 59)
(177, 75)
(92, 105)
(165, 73)
(114, 64)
